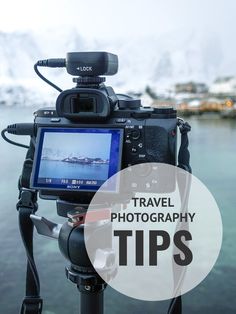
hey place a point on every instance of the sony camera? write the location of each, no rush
(93, 133)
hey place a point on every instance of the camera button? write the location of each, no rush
(120, 120)
(55, 120)
(135, 134)
(134, 150)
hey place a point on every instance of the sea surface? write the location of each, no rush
(59, 170)
(213, 160)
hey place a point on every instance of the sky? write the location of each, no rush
(131, 25)
(120, 18)
(77, 144)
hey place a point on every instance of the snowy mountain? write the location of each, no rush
(159, 62)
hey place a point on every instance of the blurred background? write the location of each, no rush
(173, 52)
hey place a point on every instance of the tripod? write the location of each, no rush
(81, 272)
(70, 238)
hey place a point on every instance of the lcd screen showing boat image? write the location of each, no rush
(76, 158)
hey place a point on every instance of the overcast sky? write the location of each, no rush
(121, 18)
(78, 144)
(108, 23)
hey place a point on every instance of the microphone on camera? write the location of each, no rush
(86, 66)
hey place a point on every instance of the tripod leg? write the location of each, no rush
(91, 302)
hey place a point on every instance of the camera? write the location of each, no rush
(93, 132)
(78, 148)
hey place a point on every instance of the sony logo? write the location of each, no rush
(85, 69)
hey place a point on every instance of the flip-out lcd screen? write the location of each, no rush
(72, 159)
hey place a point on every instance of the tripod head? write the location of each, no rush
(81, 271)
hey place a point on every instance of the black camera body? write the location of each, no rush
(149, 134)
(135, 134)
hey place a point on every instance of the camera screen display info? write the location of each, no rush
(76, 158)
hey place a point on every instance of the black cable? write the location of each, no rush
(10, 141)
(175, 306)
(45, 79)
(31, 263)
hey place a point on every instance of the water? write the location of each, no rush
(59, 169)
(213, 158)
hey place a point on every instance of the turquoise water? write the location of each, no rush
(213, 159)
